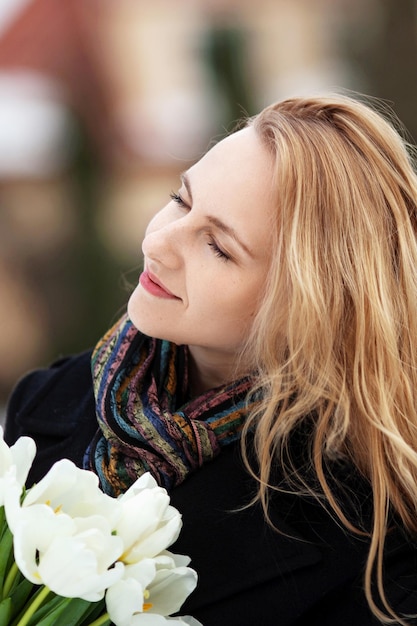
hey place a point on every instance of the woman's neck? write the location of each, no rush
(208, 370)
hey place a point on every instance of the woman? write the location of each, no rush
(280, 283)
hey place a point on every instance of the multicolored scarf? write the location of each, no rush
(146, 421)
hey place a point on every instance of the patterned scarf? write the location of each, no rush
(146, 422)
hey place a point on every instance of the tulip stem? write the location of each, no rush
(11, 577)
(35, 604)
(103, 619)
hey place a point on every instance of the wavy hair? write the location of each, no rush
(335, 338)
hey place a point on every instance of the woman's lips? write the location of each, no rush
(152, 285)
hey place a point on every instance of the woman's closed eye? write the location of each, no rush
(178, 199)
(218, 251)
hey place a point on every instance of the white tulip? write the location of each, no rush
(128, 596)
(15, 463)
(63, 533)
(66, 489)
(81, 543)
(155, 582)
(156, 524)
(172, 584)
(75, 491)
(74, 558)
(151, 590)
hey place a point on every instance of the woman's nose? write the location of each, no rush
(163, 245)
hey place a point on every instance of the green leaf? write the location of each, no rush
(3, 523)
(6, 554)
(20, 595)
(65, 612)
(33, 606)
(96, 609)
(48, 614)
(76, 612)
(5, 612)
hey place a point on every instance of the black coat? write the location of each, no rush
(309, 574)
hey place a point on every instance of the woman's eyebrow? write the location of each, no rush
(218, 223)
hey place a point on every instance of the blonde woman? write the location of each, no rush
(266, 373)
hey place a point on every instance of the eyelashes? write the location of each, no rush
(218, 251)
(177, 198)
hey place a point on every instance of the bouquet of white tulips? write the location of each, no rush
(72, 556)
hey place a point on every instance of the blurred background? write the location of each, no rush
(104, 102)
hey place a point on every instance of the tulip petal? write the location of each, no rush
(70, 569)
(123, 600)
(74, 491)
(170, 588)
(32, 537)
(23, 452)
(15, 463)
(157, 524)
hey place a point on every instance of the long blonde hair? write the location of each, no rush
(335, 339)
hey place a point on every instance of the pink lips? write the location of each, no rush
(151, 284)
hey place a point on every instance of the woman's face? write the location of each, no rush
(207, 252)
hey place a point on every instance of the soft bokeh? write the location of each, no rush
(104, 102)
